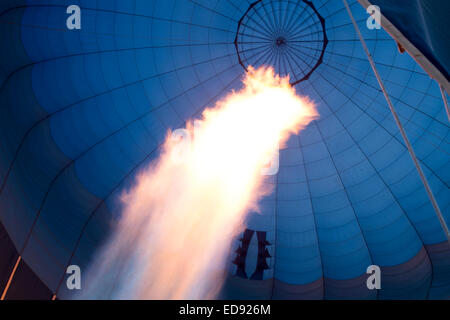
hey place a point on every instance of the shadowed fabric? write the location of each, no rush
(425, 24)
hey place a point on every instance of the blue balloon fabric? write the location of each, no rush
(82, 111)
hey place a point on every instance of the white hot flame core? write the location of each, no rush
(181, 216)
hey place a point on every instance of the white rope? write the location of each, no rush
(400, 127)
(444, 97)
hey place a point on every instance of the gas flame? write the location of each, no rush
(185, 209)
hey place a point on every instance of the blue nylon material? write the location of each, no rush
(102, 99)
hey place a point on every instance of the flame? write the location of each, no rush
(181, 216)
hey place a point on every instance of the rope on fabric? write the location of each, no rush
(400, 127)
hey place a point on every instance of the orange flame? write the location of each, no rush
(181, 216)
